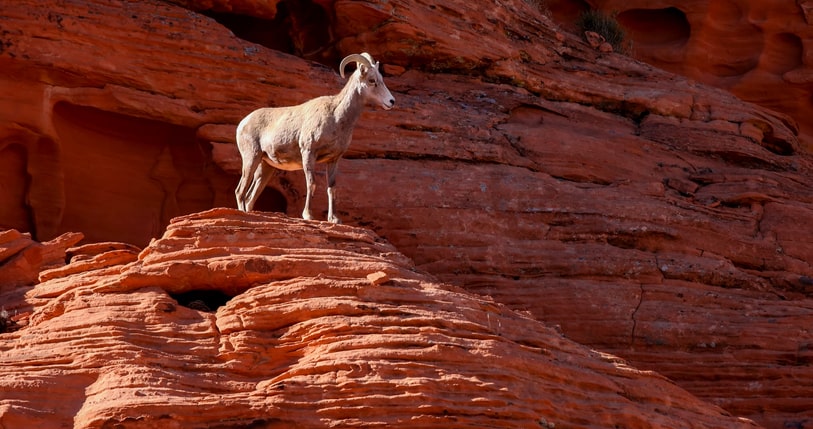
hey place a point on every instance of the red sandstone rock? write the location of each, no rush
(519, 163)
(755, 49)
(597, 41)
(305, 340)
(378, 277)
(22, 259)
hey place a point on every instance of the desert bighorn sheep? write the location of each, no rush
(298, 137)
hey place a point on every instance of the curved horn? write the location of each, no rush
(351, 58)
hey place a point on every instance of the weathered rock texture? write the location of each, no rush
(759, 50)
(22, 259)
(304, 339)
(648, 215)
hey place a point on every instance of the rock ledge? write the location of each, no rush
(318, 325)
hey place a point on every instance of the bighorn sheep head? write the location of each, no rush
(371, 84)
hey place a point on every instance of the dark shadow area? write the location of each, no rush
(126, 177)
(567, 12)
(202, 300)
(302, 28)
(14, 183)
(656, 26)
(7, 324)
(271, 200)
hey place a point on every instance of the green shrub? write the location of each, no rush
(605, 25)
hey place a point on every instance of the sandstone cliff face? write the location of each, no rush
(646, 214)
(758, 50)
(309, 325)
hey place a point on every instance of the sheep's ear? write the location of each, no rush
(362, 68)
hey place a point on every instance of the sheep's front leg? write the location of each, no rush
(308, 165)
(332, 168)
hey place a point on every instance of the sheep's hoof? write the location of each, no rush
(334, 219)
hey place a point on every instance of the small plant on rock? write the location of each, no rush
(605, 25)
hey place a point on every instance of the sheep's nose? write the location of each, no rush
(392, 102)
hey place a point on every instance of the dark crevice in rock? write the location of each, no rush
(301, 28)
(202, 300)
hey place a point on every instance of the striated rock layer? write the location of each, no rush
(304, 338)
(759, 50)
(646, 214)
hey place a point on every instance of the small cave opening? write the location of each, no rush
(202, 300)
(271, 200)
(300, 27)
(656, 26)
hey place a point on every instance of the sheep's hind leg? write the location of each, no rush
(239, 193)
(331, 192)
(261, 177)
(308, 165)
(243, 187)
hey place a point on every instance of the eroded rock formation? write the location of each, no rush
(758, 50)
(300, 337)
(648, 215)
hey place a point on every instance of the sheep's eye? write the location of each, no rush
(371, 81)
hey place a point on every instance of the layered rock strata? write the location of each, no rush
(648, 215)
(290, 329)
